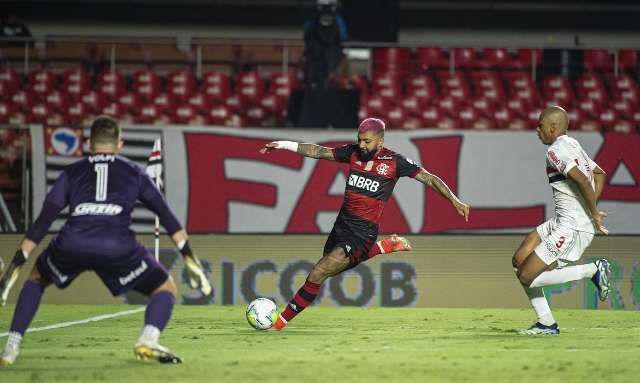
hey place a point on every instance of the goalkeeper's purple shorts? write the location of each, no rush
(138, 271)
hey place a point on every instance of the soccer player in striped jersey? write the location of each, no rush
(543, 257)
(101, 192)
(373, 173)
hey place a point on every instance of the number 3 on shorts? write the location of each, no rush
(560, 241)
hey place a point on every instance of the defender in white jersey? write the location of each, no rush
(547, 254)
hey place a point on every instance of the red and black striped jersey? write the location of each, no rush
(371, 183)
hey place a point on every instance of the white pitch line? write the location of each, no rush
(83, 321)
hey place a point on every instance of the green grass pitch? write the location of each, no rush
(326, 344)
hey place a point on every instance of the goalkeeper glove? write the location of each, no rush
(197, 277)
(10, 276)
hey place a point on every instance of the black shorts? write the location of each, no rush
(355, 236)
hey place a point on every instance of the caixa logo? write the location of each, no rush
(97, 209)
(363, 183)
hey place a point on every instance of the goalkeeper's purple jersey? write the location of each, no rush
(101, 192)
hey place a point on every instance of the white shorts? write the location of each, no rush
(560, 243)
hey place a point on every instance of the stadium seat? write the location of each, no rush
(181, 77)
(467, 116)
(40, 90)
(608, 118)
(627, 60)
(376, 104)
(597, 60)
(23, 100)
(111, 90)
(145, 76)
(76, 76)
(484, 106)
(75, 89)
(12, 79)
(43, 76)
(465, 58)
(392, 95)
(396, 117)
(95, 100)
(525, 57)
(58, 100)
(622, 126)
(449, 105)
(110, 77)
(7, 108)
(114, 109)
(519, 106)
(202, 102)
(503, 117)
(590, 108)
(150, 113)
(39, 112)
(431, 57)
(624, 108)
(181, 91)
(283, 80)
(218, 114)
(184, 113)
(273, 104)
(431, 115)
(385, 80)
(576, 117)
(413, 105)
(215, 78)
(165, 102)
(132, 101)
(77, 112)
(497, 57)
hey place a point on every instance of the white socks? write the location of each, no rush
(540, 305)
(14, 339)
(565, 274)
(150, 335)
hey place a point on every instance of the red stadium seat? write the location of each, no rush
(114, 109)
(495, 95)
(132, 102)
(525, 58)
(621, 83)
(631, 95)
(76, 76)
(75, 89)
(216, 78)
(449, 105)
(7, 108)
(529, 96)
(396, 117)
(150, 113)
(385, 80)
(413, 105)
(218, 92)
(576, 117)
(597, 60)
(23, 99)
(273, 104)
(485, 106)
(503, 117)
(77, 112)
(376, 103)
(622, 126)
(19, 117)
(111, 90)
(391, 55)
(184, 113)
(467, 116)
(589, 82)
(58, 100)
(460, 94)
(283, 80)
(556, 82)
(181, 77)
(145, 76)
(219, 114)
(425, 94)
(627, 59)
(497, 57)
(391, 94)
(431, 115)
(40, 76)
(608, 118)
(41, 89)
(519, 81)
(94, 100)
(39, 112)
(597, 95)
(464, 58)
(56, 119)
(452, 80)
(201, 102)
(431, 57)
(182, 91)
(624, 108)
(519, 107)
(11, 78)
(111, 77)
(165, 102)
(589, 107)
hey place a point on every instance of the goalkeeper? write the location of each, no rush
(101, 192)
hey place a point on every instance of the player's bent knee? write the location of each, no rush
(168, 286)
(37, 277)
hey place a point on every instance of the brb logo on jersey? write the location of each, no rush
(363, 183)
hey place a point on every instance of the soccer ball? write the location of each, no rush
(262, 313)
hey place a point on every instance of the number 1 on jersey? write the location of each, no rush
(102, 175)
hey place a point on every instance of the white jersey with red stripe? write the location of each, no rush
(571, 209)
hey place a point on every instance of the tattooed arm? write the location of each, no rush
(307, 150)
(435, 183)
